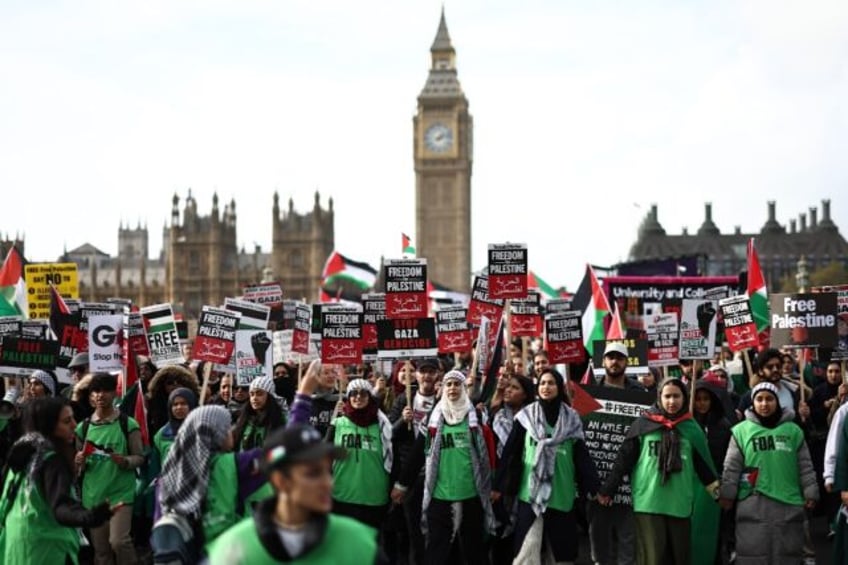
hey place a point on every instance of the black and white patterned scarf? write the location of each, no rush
(185, 475)
(502, 426)
(568, 426)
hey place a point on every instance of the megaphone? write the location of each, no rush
(9, 406)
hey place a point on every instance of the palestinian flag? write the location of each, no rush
(757, 292)
(158, 318)
(13, 297)
(591, 300)
(339, 270)
(407, 249)
(546, 291)
(615, 330)
(140, 414)
(91, 448)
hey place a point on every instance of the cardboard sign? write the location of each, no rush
(507, 270)
(637, 356)
(558, 305)
(564, 337)
(841, 351)
(406, 288)
(525, 316)
(407, 339)
(216, 335)
(163, 341)
(739, 327)
(253, 356)
(482, 305)
(698, 329)
(38, 278)
(341, 334)
(605, 429)
(804, 320)
(105, 343)
(374, 310)
(269, 294)
(283, 344)
(28, 353)
(662, 333)
(453, 330)
(300, 332)
(253, 316)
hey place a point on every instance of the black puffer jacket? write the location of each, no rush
(715, 423)
(157, 396)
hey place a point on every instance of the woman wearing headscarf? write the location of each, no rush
(259, 417)
(159, 390)
(544, 460)
(202, 482)
(768, 472)
(366, 434)
(665, 453)
(457, 477)
(181, 401)
(39, 512)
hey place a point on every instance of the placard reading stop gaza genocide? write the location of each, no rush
(803, 320)
(406, 288)
(407, 339)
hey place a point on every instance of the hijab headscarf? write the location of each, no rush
(362, 417)
(455, 411)
(191, 400)
(185, 475)
(551, 406)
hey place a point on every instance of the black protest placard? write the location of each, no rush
(605, 429)
(10, 325)
(637, 355)
(374, 310)
(804, 320)
(288, 315)
(558, 306)
(302, 327)
(841, 351)
(507, 270)
(453, 329)
(739, 327)
(406, 288)
(216, 335)
(89, 309)
(72, 339)
(407, 339)
(341, 334)
(526, 316)
(315, 331)
(564, 337)
(28, 353)
(482, 305)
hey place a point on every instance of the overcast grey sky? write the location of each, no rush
(584, 113)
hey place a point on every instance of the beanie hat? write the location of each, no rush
(262, 383)
(765, 386)
(359, 384)
(45, 379)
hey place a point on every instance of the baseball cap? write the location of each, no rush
(79, 360)
(296, 444)
(615, 347)
(429, 362)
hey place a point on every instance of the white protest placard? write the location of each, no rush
(163, 341)
(253, 356)
(662, 332)
(283, 352)
(253, 316)
(105, 343)
(698, 321)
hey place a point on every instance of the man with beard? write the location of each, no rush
(612, 533)
(769, 366)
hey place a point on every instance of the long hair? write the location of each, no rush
(273, 419)
(41, 416)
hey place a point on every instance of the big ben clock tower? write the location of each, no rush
(443, 153)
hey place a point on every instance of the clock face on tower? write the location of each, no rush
(438, 138)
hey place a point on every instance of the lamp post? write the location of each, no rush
(802, 277)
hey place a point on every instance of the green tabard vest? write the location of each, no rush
(162, 445)
(219, 511)
(31, 534)
(360, 478)
(455, 479)
(563, 487)
(346, 542)
(253, 436)
(772, 454)
(103, 479)
(674, 498)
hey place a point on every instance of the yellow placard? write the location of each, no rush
(39, 276)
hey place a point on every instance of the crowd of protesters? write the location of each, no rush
(332, 464)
